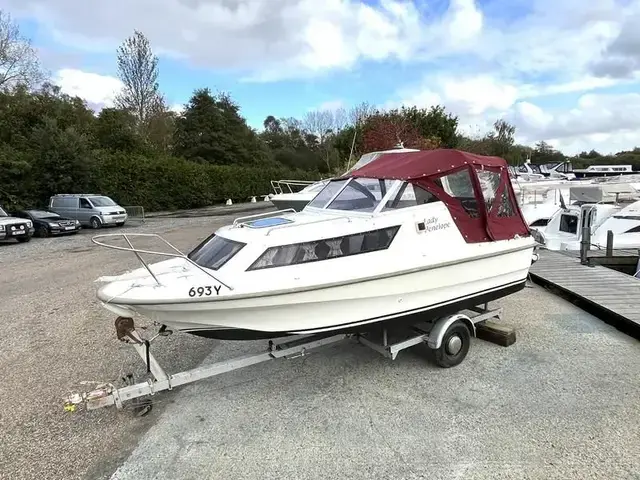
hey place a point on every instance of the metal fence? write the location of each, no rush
(135, 213)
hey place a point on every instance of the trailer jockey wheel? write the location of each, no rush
(455, 345)
(140, 406)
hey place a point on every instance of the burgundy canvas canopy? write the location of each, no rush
(480, 215)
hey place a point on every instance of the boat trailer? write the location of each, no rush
(448, 337)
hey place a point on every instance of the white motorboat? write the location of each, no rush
(604, 171)
(530, 172)
(407, 235)
(625, 226)
(600, 208)
(283, 199)
(539, 203)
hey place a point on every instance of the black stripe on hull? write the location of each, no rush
(404, 319)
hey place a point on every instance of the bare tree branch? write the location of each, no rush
(319, 123)
(360, 113)
(19, 62)
(340, 119)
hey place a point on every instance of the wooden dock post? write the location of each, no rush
(585, 245)
(609, 243)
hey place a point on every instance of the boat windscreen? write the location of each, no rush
(327, 193)
(364, 160)
(361, 195)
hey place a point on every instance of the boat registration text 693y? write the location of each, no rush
(206, 290)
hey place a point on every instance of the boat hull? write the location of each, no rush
(392, 299)
(395, 321)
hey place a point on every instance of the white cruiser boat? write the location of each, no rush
(600, 207)
(539, 203)
(407, 235)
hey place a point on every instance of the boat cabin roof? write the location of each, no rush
(475, 188)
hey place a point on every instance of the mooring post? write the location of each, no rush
(585, 244)
(609, 243)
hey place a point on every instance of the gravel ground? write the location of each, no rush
(57, 336)
(560, 403)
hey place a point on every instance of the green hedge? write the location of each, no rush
(171, 183)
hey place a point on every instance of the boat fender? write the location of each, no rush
(442, 325)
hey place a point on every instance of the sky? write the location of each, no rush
(563, 71)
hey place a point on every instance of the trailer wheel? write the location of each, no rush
(455, 345)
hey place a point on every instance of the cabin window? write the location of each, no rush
(635, 229)
(327, 193)
(569, 223)
(325, 249)
(215, 251)
(459, 186)
(506, 205)
(542, 222)
(361, 195)
(489, 182)
(409, 195)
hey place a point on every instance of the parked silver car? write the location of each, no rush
(90, 210)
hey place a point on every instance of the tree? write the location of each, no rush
(359, 113)
(385, 131)
(545, 153)
(319, 123)
(138, 71)
(211, 130)
(434, 123)
(19, 62)
(340, 120)
(115, 129)
(501, 139)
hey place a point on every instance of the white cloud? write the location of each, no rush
(609, 122)
(481, 62)
(605, 121)
(262, 39)
(331, 105)
(177, 108)
(98, 90)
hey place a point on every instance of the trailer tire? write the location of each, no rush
(455, 345)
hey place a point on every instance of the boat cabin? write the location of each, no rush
(476, 190)
(453, 197)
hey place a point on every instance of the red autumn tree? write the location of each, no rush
(385, 131)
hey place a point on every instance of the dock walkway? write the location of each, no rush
(614, 296)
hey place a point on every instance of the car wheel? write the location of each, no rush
(44, 232)
(95, 222)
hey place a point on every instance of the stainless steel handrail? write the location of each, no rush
(138, 251)
(277, 184)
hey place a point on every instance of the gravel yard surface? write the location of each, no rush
(56, 336)
(562, 402)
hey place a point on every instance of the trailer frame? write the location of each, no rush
(441, 335)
